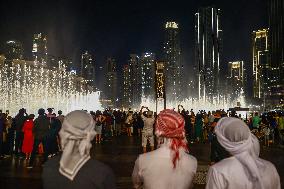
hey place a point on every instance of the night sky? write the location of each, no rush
(117, 28)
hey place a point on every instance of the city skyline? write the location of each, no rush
(199, 70)
(104, 35)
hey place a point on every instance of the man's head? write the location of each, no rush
(170, 125)
(41, 111)
(149, 113)
(22, 111)
(235, 136)
(50, 110)
(232, 133)
(59, 112)
(31, 116)
(76, 134)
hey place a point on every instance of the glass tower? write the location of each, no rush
(172, 58)
(39, 48)
(208, 51)
(88, 68)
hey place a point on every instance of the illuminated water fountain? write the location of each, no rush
(25, 85)
(223, 102)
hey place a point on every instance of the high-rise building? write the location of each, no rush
(261, 65)
(39, 48)
(276, 38)
(236, 78)
(276, 30)
(88, 68)
(111, 81)
(147, 62)
(172, 57)
(13, 50)
(135, 76)
(127, 96)
(236, 70)
(208, 52)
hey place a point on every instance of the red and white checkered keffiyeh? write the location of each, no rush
(170, 124)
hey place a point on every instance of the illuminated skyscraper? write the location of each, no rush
(13, 50)
(261, 65)
(147, 62)
(172, 53)
(236, 70)
(39, 48)
(276, 38)
(135, 75)
(236, 78)
(276, 30)
(88, 68)
(127, 93)
(111, 81)
(208, 51)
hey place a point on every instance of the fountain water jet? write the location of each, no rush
(26, 85)
(223, 102)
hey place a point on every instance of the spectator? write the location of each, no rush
(60, 117)
(244, 169)
(20, 119)
(28, 142)
(177, 167)
(40, 131)
(256, 121)
(147, 132)
(75, 168)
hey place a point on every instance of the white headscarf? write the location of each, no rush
(76, 135)
(234, 135)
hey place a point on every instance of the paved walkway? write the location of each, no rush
(120, 154)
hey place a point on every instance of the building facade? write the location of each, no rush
(173, 67)
(147, 62)
(87, 70)
(208, 52)
(261, 64)
(276, 38)
(236, 78)
(111, 88)
(39, 50)
(127, 92)
(13, 50)
(135, 75)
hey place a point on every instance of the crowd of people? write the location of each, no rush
(24, 135)
(170, 132)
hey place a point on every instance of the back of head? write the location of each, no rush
(78, 119)
(149, 113)
(234, 135)
(170, 124)
(41, 111)
(236, 130)
(76, 135)
(31, 116)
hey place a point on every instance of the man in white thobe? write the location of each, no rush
(244, 169)
(170, 166)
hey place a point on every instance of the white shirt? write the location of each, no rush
(129, 119)
(154, 170)
(230, 174)
(148, 122)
